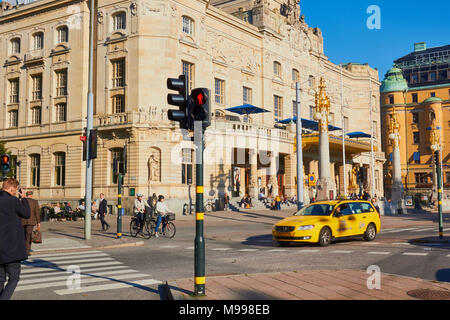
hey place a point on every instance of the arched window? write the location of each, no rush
(119, 21)
(35, 170)
(188, 26)
(312, 82)
(60, 169)
(118, 160)
(63, 34)
(295, 75)
(277, 69)
(15, 46)
(38, 40)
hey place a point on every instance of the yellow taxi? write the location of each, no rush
(322, 222)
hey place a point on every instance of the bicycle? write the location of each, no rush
(210, 205)
(166, 224)
(134, 228)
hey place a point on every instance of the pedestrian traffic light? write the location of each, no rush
(93, 143)
(180, 100)
(200, 109)
(6, 164)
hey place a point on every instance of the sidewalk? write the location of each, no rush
(311, 285)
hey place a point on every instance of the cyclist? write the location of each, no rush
(139, 210)
(161, 210)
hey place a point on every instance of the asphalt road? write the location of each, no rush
(231, 248)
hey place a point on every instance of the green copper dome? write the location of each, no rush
(394, 81)
(433, 99)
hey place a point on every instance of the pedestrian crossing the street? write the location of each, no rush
(79, 272)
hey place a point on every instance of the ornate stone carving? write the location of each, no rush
(154, 165)
(133, 8)
(100, 17)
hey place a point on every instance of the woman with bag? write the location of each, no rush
(34, 220)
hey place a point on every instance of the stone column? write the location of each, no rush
(253, 183)
(397, 186)
(273, 173)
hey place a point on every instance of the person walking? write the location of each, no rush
(278, 202)
(12, 240)
(102, 211)
(162, 210)
(226, 201)
(35, 219)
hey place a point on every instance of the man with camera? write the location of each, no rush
(12, 239)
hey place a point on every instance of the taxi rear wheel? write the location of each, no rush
(371, 232)
(324, 237)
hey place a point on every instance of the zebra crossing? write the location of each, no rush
(79, 272)
(413, 230)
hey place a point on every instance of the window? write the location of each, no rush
(118, 102)
(186, 166)
(311, 82)
(391, 99)
(415, 78)
(278, 107)
(188, 25)
(36, 115)
(13, 118)
(447, 177)
(63, 34)
(119, 21)
(421, 178)
(433, 76)
(35, 170)
(295, 75)
(118, 73)
(15, 46)
(61, 83)
(346, 125)
(277, 69)
(312, 110)
(432, 94)
(247, 97)
(37, 87)
(219, 86)
(415, 98)
(117, 155)
(416, 137)
(60, 169)
(415, 118)
(14, 91)
(38, 41)
(424, 77)
(188, 71)
(60, 112)
(443, 74)
(416, 158)
(331, 118)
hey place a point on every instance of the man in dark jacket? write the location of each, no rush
(102, 211)
(12, 239)
(35, 219)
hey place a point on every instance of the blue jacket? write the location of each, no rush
(12, 235)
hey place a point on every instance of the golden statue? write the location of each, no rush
(322, 107)
(353, 185)
(434, 137)
(394, 129)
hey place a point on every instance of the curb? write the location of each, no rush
(176, 295)
(124, 245)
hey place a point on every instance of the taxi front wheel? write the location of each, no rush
(371, 232)
(324, 237)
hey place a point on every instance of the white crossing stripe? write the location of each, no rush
(46, 263)
(63, 267)
(248, 250)
(108, 287)
(53, 272)
(378, 252)
(415, 254)
(423, 230)
(83, 281)
(168, 247)
(37, 258)
(307, 251)
(221, 249)
(65, 254)
(277, 250)
(402, 243)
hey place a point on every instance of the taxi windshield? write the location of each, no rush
(315, 210)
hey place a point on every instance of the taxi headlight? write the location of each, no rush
(309, 227)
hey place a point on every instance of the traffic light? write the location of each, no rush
(200, 108)
(6, 164)
(93, 143)
(84, 141)
(180, 100)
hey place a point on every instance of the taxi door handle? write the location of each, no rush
(364, 217)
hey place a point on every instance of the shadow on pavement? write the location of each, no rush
(431, 242)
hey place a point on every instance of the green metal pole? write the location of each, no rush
(439, 185)
(199, 267)
(119, 206)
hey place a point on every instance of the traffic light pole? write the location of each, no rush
(199, 267)
(300, 177)
(439, 187)
(119, 206)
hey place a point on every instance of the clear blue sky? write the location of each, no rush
(403, 23)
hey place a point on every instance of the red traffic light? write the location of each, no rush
(199, 98)
(83, 138)
(5, 159)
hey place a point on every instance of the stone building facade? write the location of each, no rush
(244, 51)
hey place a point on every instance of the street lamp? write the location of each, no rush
(436, 147)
